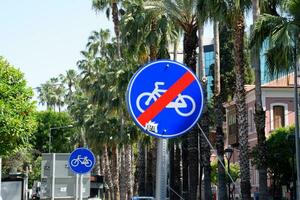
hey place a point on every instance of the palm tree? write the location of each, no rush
(232, 11)
(150, 30)
(205, 153)
(282, 34)
(70, 79)
(259, 115)
(108, 5)
(183, 13)
(242, 119)
(148, 38)
(45, 95)
(222, 192)
(209, 8)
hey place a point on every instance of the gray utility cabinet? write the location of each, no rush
(57, 179)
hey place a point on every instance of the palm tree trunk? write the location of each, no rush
(115, 172)
(102, 161)
(128, 167)
(178, 170)
(175, 170)
(172, 167)
(154, 162)
(82, 135)
(149, 173)
(222, 192)
(259, 116)
(190, 45)
(200, 69)
(108, 175)
(185, 168)
(141, 169)
(123, 183)
(153, 47)
(242, 118)
(98, 165)
(205, 149)
(115, 14)
(175, 50)
(193, 163)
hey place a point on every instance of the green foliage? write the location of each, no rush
(234, 171)
(35, 171)
(62, 139)
(280, 152)
(150, 28)
(16, 110)
(281, 31)
(227, 64)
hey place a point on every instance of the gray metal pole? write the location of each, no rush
(53, 177)
(297, 136)
(49, 140)
(161, 169)
(81, 188)
(76, 187)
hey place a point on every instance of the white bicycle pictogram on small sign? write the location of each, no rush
(180, 101)
(81, 160)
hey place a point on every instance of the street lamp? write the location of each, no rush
(291, 140)
(228, 153)
(56, 128)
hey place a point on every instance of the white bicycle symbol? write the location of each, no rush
(81, 160)
(180, 101)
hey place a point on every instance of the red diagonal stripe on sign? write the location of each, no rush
(155, 108)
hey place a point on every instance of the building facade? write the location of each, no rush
(278, 103)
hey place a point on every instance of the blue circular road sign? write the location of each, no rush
(81, 161)
(164, 98)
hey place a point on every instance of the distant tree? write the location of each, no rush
(62, 139)
(234, 172)
(111, 7)
(278, 158)
(16, 110)
(52, 93)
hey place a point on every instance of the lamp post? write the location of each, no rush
(291, 141)
(228, 153)
(56, 128)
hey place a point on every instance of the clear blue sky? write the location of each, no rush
(43, 38)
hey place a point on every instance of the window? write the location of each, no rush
(278, 113)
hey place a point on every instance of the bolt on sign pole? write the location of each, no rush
(167, 105)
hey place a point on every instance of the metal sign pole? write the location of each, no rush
(80, 186)
(76, 187)
(161, 169)
(53, 177)
(81, 161)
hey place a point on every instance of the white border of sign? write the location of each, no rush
(128, 92)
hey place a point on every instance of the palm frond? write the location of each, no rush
(293, 8)
(281, 55)
(264, 27)
(279, 59)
